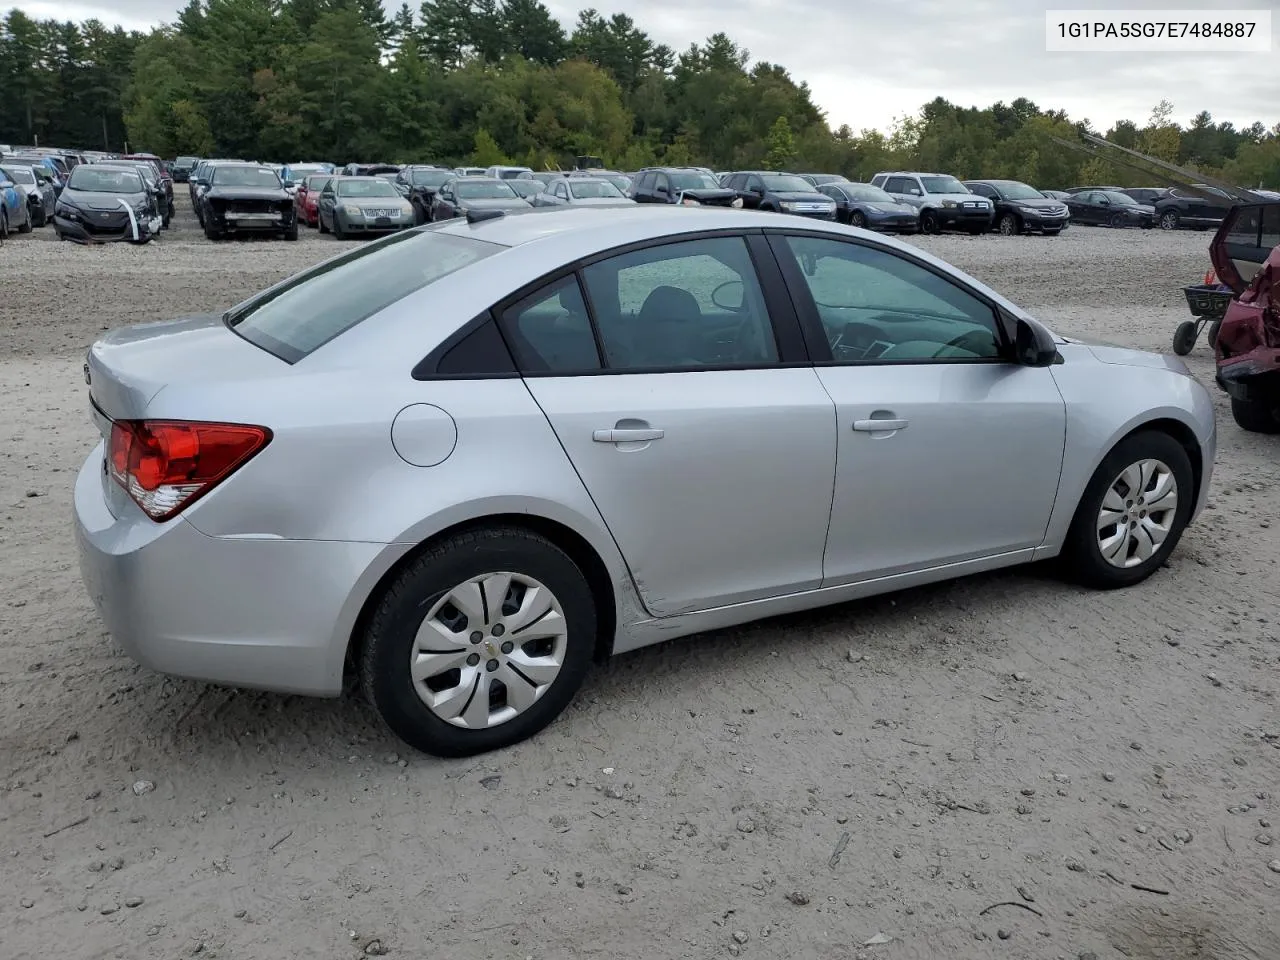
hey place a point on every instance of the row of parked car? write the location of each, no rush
(87, 198)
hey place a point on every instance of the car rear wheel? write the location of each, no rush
(1009, 225)
(1132, 513)
(1256, 416)
(479, 643)
(1169, 220)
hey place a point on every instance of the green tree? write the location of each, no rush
(782, 145)
(486, 152)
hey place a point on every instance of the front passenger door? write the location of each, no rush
(701, 433)
(947, 451)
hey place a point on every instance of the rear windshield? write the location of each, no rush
(594, 190)
(326, 301)
(430, 178)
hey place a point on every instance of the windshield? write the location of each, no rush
(489, 190)
(1019, 191)
(185, 162)
(516, 173)
(868, 194)
(621, 182)
(304, 170)
(328, 300)
(100, 180)
(786, 183)
(594, 190)
(943, 185)
(1121, 198)
(18, 174)
(527, 188)
(373, 187)
(686, 180)
(318, 182)
(430, 178)
(244, 177)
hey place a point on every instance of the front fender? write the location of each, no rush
(1105, 403)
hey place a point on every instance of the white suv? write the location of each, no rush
(943, 201)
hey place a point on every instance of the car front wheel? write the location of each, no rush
(1132, 513)
(479, 643)
(1009, 225)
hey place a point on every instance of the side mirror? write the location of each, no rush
(1033, 346)
(661, 191)
(1104, 202)
(756, 189)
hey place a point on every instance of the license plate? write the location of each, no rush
(383, 214)
(256, 216)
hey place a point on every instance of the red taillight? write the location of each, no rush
(166, 465)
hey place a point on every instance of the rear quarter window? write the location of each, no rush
(308, 311)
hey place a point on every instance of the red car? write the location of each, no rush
(307, 197)
(1246, 255)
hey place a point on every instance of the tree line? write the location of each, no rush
(492, 81)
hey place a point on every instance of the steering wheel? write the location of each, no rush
(974, 341)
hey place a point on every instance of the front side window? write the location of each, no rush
(878, 307)
(690, 305)
(330, 299)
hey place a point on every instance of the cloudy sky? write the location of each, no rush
(869, 62)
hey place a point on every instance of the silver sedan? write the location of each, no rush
(362, 206)
(466, 460)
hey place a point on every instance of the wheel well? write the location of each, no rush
(572, 543)
(1183, 434)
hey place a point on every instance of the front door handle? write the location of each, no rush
(627, 435)
(878, 426)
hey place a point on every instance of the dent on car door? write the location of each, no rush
(685, 403)
(946, 451)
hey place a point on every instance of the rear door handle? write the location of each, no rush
(878, 426)
(627, 435)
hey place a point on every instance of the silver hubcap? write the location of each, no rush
(1007, 226)
(1137, 513)
(488, 649)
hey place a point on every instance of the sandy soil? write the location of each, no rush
(1001, 738)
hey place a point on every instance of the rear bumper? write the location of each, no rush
(264, 613)
(1254, 376)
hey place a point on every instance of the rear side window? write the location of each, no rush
(1270, 226)
(326, 301)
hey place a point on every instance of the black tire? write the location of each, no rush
(419, 215)
(1010, 225)
(1169, 220)
(1115, 220)
(1256, 416)
(43, 220)
(858, 219)
(292, 232)
(929, 222)
(1184, 338)
(393, 628)
(1212, 334)
(4, 225)
(320, 224)
(1082, 557)
(25, 226)
(338, 232)
(212, 233)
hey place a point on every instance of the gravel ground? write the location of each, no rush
(1003, 738)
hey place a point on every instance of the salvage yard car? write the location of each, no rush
(943, 201)
(102, 203)
(463, 195)
(862, 205)
(1020, 208)
(246, 198)
(458, 463)
(37, 195)
(362, 206)
(1110, 208)
(1246, 257)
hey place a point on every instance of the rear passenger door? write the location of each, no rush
(676, 379)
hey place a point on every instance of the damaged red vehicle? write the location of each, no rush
(1246, 255)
